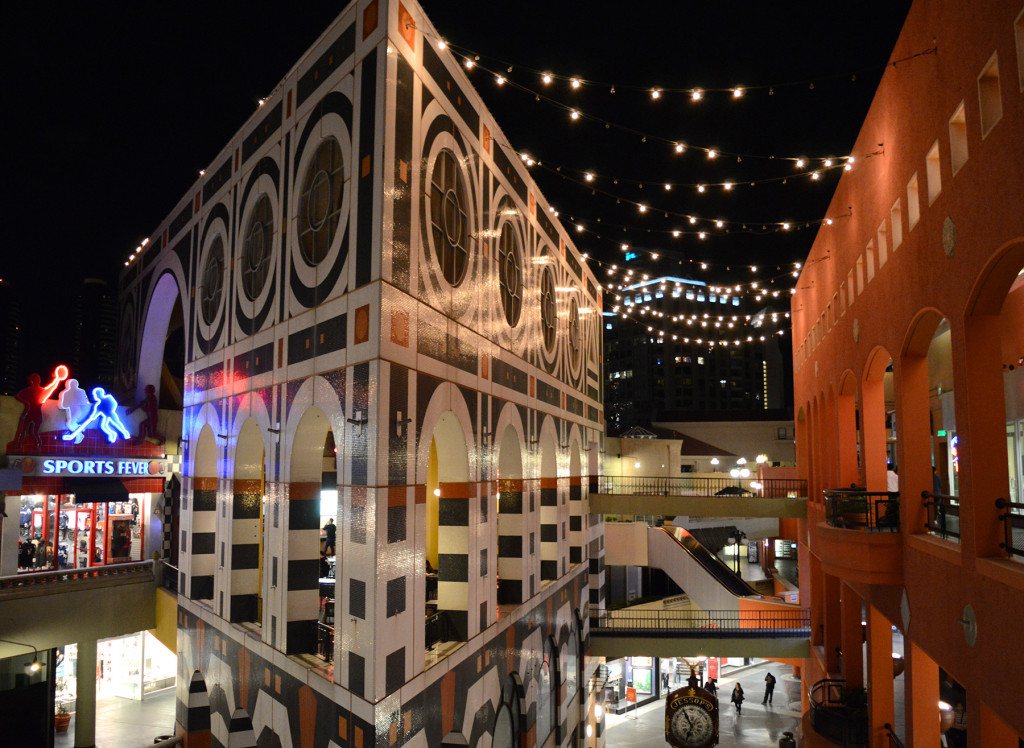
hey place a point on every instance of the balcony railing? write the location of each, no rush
(839, 713)
(853, 509)
(1013, 527)
(943, 515)
(894, 740)
(67, 579)
(783, 622)
(771, 488)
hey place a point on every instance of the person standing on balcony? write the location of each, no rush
(892, 479)
(737, 697)
(331, 530)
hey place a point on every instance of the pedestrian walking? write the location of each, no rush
(769, 688)
(737, 697)
(712, 687)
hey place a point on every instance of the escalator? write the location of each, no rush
(706, 579)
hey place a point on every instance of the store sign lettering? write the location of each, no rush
(62, 466)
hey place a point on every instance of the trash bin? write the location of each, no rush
(787, 741)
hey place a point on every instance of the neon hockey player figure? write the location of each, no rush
(75, 403)
(33, 398)
(104, 407)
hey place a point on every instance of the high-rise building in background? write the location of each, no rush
(94, 347)
(677, 349)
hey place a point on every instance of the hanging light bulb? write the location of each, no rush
(575, 82)
(546, 78)
(799, 163)
(828, 162)
(703, 235)
(468, 63)
(693, 219)
(719, 223)
(712, 153)
(574, 114)
(676, 233)
(655, 94)
(697, 94)
(727, 186)
(700, 188)
(815, 176)
(643, 208)
(680, 147)
(737, 92)
(589, 177)
(579, 227)
(442, 44)
(500, 80)
(667, 186)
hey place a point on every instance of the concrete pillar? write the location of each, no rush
(881, 707)
(921, 679)
(852, 637)
(85, 703)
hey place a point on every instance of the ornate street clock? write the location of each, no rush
(691, 716)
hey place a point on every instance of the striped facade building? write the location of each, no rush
(385, 324)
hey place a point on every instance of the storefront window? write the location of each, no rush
(56, 533)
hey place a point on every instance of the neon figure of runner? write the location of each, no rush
(104, 407)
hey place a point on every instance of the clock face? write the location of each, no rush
(692, 726)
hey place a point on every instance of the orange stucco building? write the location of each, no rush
(908, 324)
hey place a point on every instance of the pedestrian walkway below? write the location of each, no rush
(123, 723)
(756, 727)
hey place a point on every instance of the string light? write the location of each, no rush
(696, 94)
(500, 80)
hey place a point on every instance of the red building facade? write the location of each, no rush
(908, 325)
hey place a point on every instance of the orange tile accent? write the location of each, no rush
(421, 494)
(408, 721)
(400, 327)
(397, 495)
(307, 716)
(406, 27)
(563, 401)
(510, 646)
(277, 684)
(485, 366)
(266, 677)
(393, 733)
(303, 491)
(288, 109)
(365, 170)
(510, 484)
(548, 482)
(456, 490)
(362, 324)
(280, 352)
(198, 204)
(342, 728)
(244, 664)
(533, 387)
(577, 480)
(447, 702)
(370, 19)
(200, 483)
(358, 737)
(487, 140)
(479, 663)
(246, 485)
(533, 205)
(403, 170)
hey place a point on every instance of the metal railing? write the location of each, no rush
(784, 622)
(853, 509)
(894, 740)
(325, 642)
(838, 713)
(943, 515)
(1013, 527)
(57, 581)
(771, 488)
(169, 579)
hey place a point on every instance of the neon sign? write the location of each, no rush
(105, 409)
(955, 452)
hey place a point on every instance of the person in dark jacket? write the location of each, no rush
(737, 697)
(769, 688)
(332, 531)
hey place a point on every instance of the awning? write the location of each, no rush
(89, 490)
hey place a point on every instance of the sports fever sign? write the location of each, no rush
(84, 467)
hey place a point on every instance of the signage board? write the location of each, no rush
(49, 466)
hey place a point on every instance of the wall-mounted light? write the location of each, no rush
(33, 667)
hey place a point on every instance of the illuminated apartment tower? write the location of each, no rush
(384, 326)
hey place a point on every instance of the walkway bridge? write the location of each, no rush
(777, 633)
(698, 496)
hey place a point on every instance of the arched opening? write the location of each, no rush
(203, 554)
(311, 606)
(848, 431)
(247, 512)
(878, 423)
(577, 543)
(162, 346)
(508, 718)
(549, 556)
(447, 533)
(994, 366)
(511, 529)
(547, 691)
(929, 447)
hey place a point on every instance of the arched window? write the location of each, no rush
(507, 720)
(547, 692)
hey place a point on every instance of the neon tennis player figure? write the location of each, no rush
(104, 407)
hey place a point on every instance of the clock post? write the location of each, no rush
(691, 716)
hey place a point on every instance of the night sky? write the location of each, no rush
(112, 109)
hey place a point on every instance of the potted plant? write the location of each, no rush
(62, 718)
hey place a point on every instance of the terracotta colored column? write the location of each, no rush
(921, 679)
(915, 441)
(881, 708)
(833, 623)
(852, 637)
(873, 421)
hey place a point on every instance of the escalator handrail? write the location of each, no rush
(712, 565)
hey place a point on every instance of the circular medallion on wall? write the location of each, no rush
(211, 287)
(448, 208)
(256, 248)
(510, 274)
(320, 201)
(575, 336)
(548, 308)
